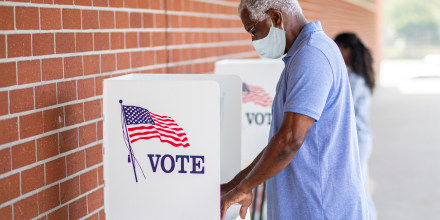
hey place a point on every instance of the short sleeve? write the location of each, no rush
(309, 82)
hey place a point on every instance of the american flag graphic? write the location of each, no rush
(143, 125)
(256, 95)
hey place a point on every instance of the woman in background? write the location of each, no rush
(362, 81)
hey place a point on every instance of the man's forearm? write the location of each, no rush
(242, 174)
(276, 156)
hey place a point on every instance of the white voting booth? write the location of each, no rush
(169, 141)
(259, 77)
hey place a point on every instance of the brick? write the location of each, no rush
(116, 3)
(122, 19)
(53, 119)
(23, 154)
(26, 208)
(8, 74)
(83, 2)
(159, 20)
(84, 42)
(102, 41)
(46, 95)
(131, 3)
(55, 170)
(63, 2)
(87, 134)
(47, 147)
(6, 213)
(144, 39)
(9, 187)
(102, 215)
(66, 91)
(52, 69)
(131, 40)
(42, 1)
(49, 198)
(68, 141)
(4, 103)
(106, 19)
(74, 114)
(90, 19)
(91, 64)
(117, 41)
(28, 71)
(99, 82)
(75, 162)
(100, 175)
(149, 58)
(2, 46)
(92, 110)
(27, 18)
(94, 155)
(95, 200)
(137, 59)
(78, 208)
(32, 179)
(6, 18)
(148, 20)
(21, 100)
(64, 42)
(88, 181)
(73, 67)
(19, 45)
(93, 217)
(100, 130)
(5, 160)
(135, 20)
(60, 213)
(108, 63)
(123, 60)
(102, 3)
(31, 125)
(69, 189)
(9, 130)
(86, 88)
(50, 18)
(71, 19)
(160, 56)
(158, 39)
(43, 44)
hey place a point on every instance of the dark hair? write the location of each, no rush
(361, 59)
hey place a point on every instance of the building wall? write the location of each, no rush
(54, 55)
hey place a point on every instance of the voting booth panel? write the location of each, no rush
(259, 79)
(162, 145)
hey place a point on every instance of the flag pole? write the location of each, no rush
(130, 156)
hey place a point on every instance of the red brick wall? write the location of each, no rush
(54, 55)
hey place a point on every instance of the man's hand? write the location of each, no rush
(237, 195)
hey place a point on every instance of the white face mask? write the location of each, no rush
(273, 45)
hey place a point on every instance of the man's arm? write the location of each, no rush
(280, 151)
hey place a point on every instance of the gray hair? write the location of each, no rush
(258, 8)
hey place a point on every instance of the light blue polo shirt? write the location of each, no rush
(323, 181)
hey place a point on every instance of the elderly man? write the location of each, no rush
(311, 163)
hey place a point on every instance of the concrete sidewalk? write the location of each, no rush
(405, 163)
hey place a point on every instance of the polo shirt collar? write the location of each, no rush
(306, 31)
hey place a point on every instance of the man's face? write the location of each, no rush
(257, 29)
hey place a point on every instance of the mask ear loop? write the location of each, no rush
(282, 23)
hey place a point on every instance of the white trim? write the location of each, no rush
(171, 47)
(182, 13)
(10, 202)
(124, 30)
(92, 213)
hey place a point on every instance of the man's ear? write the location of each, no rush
(276, 17)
